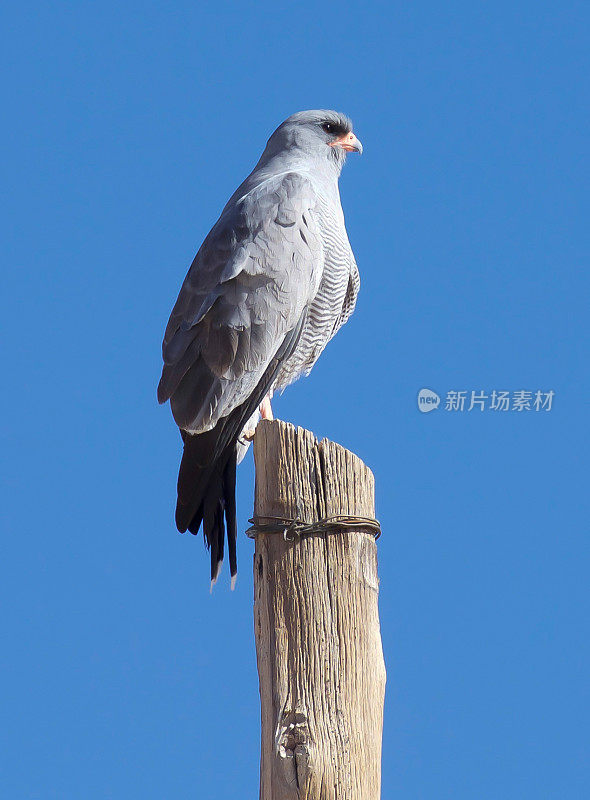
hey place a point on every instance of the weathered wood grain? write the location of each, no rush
(318, 643)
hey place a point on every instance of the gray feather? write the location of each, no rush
(249, 285)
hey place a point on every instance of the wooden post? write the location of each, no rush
(318, 644)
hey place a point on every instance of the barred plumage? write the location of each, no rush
(334, 301)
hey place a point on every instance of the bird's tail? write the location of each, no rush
(207, 476)
(207, 495)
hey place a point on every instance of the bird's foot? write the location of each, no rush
(266, 408)
(248, 434)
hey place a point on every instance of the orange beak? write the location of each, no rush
(348, 142)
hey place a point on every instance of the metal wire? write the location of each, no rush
(293, 528)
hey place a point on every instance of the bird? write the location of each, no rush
(271, 284)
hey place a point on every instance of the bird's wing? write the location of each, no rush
(243, 297)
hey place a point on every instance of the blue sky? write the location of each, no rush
(128, 125)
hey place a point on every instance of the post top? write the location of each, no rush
(301, 478)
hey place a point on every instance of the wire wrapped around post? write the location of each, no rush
(291, 528)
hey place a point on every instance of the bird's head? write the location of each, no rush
(318, 134)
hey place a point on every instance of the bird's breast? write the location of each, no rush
(325, 308)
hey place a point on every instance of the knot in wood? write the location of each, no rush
(293, 747)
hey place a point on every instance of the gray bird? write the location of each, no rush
(271, 284)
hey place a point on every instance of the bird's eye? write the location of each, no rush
(328, 127)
